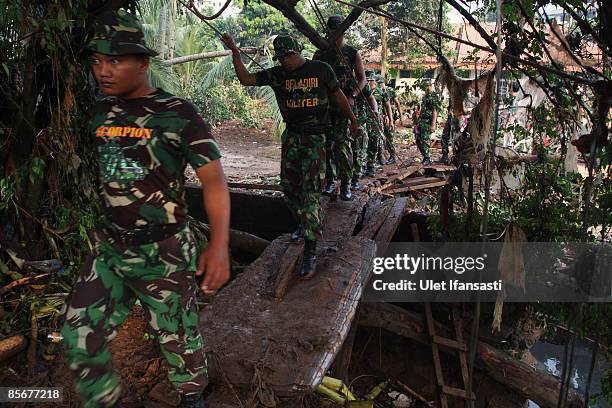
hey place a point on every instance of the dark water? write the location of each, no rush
(550, 358)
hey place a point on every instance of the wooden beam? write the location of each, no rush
(392, 221)
(254, 186)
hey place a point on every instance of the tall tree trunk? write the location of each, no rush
(163, 21)
(171, 29)
(384, 51)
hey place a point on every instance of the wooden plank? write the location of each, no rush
(342, 362)
(255, 186)
(387, 230)
(416, 187)
(436, 356)
(373, 224)
(456, 392)
(288, 344)
(340, 218)
(399, 177)
(440, 167)
(452, 344)
(459, 336)
(286, 272)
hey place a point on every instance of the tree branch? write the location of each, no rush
(354, 15)
(584, 26)
(288, 10)
(205, 55)
(489, 40)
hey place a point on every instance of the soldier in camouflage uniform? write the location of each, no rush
(451, 127)
(365, 107)
(348, 67)
(426, 123)
(389, 125)
(304, 90)
(143, 248)
(384, 106)
(374, 126)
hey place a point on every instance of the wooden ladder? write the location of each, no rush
(459, 345)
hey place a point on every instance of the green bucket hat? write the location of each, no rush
(379, 79)
(283, 45)
(118, 33)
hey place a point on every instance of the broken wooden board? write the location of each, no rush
(420, 183)
(288, 345)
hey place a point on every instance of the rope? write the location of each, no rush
(195, 11)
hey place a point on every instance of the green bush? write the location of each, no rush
(229, 101)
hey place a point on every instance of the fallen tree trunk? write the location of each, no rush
(244, 241)
(12, 345)
(540, 387)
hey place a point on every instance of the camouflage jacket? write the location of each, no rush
(382, 97)
(143, 146)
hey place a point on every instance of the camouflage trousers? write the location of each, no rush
(338, 147)
(388, 142)
(422, 135)
(161, 276)
(302, 176)
(374, 140)
(360, 143)
(451, 127)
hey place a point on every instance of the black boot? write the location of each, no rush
(330, 189)
(391, 160)
(345, 191)
(308, 268)
(297, 234)
(192, 401)
(426, 161)
(444, 160)
(355, 185)
(380, 161)
(370, 171)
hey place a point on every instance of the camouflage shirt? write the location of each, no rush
(302, 94)
(430, 103)
(381, 97)
(362, 97)
(144, 145)
(343, 66)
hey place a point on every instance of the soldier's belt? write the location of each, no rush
(144, 235)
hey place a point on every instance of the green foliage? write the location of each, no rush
(47, 165)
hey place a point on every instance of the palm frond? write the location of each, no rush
(267, 94)
(221, 70)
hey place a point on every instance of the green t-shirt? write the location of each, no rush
(302, 94)
(143, 146)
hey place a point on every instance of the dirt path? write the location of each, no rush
(247, 154)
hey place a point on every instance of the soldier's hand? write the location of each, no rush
(228, 40)
(214, 264)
